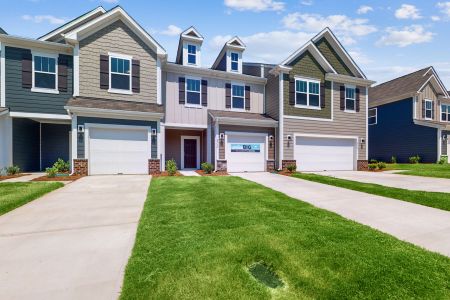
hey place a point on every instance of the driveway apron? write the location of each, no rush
(73, 243)
(423, 226)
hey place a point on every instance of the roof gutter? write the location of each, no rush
(349, 79)
(89, 111)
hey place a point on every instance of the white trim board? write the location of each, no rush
(189, 137)
(2, 76)
(39, 116)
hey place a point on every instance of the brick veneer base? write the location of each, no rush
(221, 165)
(285, 163)
(270, 166)
(80, 166)
(154, 166)
(362, 165)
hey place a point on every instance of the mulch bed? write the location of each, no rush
(218, 173)
(58, 178)
(166, 174)
(12, 176)
(285, 173)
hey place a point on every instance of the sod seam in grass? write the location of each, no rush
(424, 170)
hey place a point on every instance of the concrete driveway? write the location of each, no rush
(72, 243)
(421, 225)
(419, 183)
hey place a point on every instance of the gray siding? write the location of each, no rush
(273, 96)
(26, 144)
(19, 99)
(83, 120)
(251, 70)
(116, 38)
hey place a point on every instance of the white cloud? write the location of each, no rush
(415, 34)
(346, 28)
(435, 18)
(408, 11)
(111, 1)
(360, 57)
(44, 18)
(255, 5)
(364, 9)
(307, 2)
(445, 7)
(171, 30)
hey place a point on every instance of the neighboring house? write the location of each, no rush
(319, 96)
(409, 116)
(216, 114)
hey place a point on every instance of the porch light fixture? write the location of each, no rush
(444, 137)
(289, 139)
(80, 128)
(222, 136)
(270, 141)
(153, 131)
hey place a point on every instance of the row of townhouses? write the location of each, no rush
(100, 92)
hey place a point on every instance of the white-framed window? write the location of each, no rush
(307, 93)
(445, 112)
(350, 98)
(372, 117)
(237, 96)
(45, 73)
(120, 73)
(193, 92)
(234, 61)
(192, 54)
(428, 109)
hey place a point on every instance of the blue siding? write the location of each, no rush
(395, 134)
(83, 120)
(19, 99)
(55, 143)
(26, 144)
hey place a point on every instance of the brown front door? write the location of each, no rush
(190, 154)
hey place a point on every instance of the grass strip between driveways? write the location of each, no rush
(15, 194)
(426, 170)
(198, 236)
(431, 199)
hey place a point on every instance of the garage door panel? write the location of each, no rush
(238, 161)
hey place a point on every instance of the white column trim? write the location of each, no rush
(367, 123)
(76, 70)
(2, 76)
(281, 120)
(74, 153)
(208, 143)
(162, 146)
(158, 81)
(216, 144)
(439, 139)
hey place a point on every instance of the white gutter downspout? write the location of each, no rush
(281, 121)
(2, 76)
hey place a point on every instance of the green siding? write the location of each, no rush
(19, 99)
(333, 58)
(306, 66)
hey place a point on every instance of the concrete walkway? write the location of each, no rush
(25, 178)
(424, 226)
(73, 243)
(419, 183)
(189, 173)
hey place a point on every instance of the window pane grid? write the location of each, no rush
(44, 72)
(45, 64)
(307, 93)
(237, 93)
(193, 91)
(428, 109)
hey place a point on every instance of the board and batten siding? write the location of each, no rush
(273, 96)
(429, 93)
(181, 114)
(343, 124)
(117, 38)
(20, 99)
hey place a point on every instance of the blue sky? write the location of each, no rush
(386, 38)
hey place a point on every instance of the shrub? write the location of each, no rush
(381, 165)
(393, 159)
(414, 159)
(51, 172)
(373, 161)
(372, 166)
(291, 168)
(61, 166)
(443, 160)
(207, 167)
(171, 167)
(12, 170)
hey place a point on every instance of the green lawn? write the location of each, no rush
(198, 235)
(427, 170)
(431, 199)
(15, 194)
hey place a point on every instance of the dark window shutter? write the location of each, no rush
(432, 110)
(423, 109)
(228, 95)
(247, 97)
(62, 73)
(27, 69)
(136, 76)
(291, 91)
(204, 92)
(357, 99)
(104, 72)
(342, 104)
(322, 95)
(181, 90)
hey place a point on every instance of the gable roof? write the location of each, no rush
(2, 31)
(234, 43)
(190, 34)
(405, 86)
(57, 33)
(116, 13)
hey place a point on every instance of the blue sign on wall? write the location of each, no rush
(245, 148)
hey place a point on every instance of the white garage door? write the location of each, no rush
(245, 153)
(319, 154)
(118, 151)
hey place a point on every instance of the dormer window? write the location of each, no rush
(192, 54)
(234, 61)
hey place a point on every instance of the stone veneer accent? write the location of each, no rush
(270, 166)
(80, 166)
(221, 165)
(285, 163)
(154, 166)
(362, 165)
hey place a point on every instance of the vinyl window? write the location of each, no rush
(234, 61)
(45, 72)
(120, 73)
(350, 98)
(307, 93)
(193, 93)
(238, 98)
(429, 109)
(445, 112)
(192, 54)
(372, 117)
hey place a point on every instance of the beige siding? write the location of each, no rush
(116, 38)
(273, 96)
(344, 124)
(429, 93)
(181, 114)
